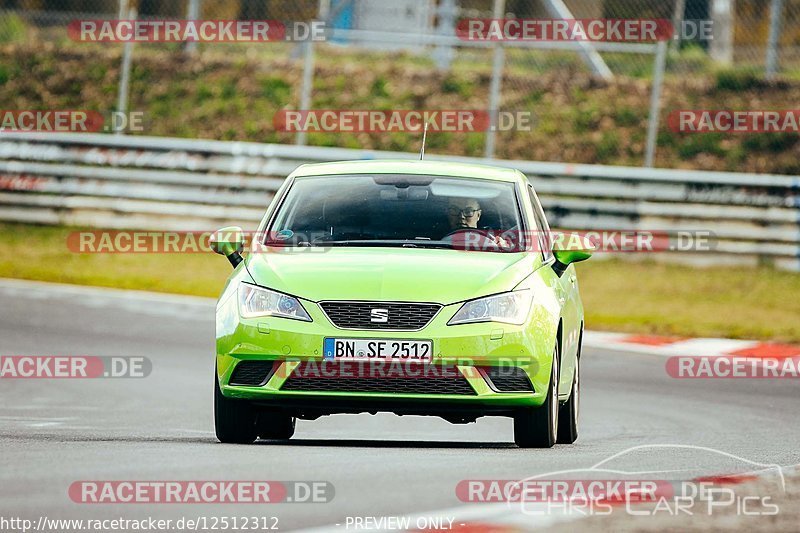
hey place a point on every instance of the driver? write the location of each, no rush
(464, 213)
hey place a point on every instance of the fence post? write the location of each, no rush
(655, 103)
(308, 69)
(125, 73)
(305, 88)
(494, 87)
(677, 22)
(443, 54)
(192, 13)
(721, 46)
(774, 35)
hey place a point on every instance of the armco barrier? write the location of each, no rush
(166, 183)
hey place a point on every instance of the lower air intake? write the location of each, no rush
(507, 379)
(252, 373)
(329, 377)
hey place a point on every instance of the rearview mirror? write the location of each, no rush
(571, 248)
(228, 241)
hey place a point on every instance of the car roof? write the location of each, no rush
(409, 166)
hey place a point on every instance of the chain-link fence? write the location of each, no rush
(592, 102)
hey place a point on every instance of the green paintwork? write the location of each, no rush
(226, 241)
(573, 249)
(391, 274)
(448, 277)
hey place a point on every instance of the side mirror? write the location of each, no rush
(571, 248)
(229, 242)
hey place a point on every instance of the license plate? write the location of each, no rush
(377, 350)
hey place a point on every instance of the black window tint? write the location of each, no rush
(389, 207)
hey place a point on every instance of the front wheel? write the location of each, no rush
(537, 427)
(234, 420)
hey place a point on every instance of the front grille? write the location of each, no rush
(399, 315)
(251, 373)
(507, 378)
(317, 377)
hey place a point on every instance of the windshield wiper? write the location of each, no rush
(389, 243)
(428, 244)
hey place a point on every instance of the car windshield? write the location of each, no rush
(398, 210)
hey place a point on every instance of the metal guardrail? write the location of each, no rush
(180, 184)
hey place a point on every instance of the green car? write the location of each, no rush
(411, 287)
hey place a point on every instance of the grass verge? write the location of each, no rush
(233, 92)
(638, 297)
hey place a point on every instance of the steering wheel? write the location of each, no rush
(482, 232)
(483, 240)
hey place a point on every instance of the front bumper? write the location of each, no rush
(467, 348)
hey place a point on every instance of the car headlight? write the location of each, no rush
(508, 307)
(257, 301)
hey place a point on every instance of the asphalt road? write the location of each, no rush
(55, 432)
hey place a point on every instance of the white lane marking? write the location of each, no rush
(64, 422)
(67, 289)
(35, 418)
(52, 408)
(142, 302)
(39, 421)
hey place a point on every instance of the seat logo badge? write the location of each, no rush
(379, 315)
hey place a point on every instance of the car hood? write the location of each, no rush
(388, 274)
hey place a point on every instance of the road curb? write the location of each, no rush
(683, 346)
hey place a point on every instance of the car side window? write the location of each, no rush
(544, 237)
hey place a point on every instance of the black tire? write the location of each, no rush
(568, 414)
(275, 425)
(234, 420)
(537, 427)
